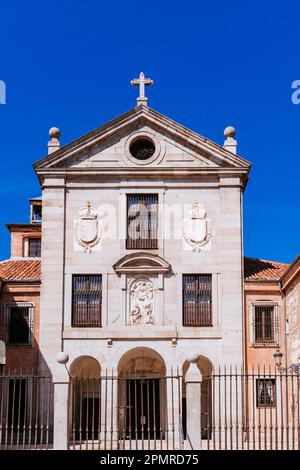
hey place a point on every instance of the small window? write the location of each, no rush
(265, 324)
(34, 247)
(86, 300)
(265, 393)
(197, 299)
(142, 148)
(142, 221)
(19, 324)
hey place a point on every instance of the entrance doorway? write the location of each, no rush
(85, 402)
(142, 416)
(142, 396)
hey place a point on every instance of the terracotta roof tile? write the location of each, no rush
(260, 269)
(30, 270)
(20, 270)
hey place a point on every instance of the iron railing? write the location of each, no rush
(257, 409)
(130, 412)
(254, 409)
(240, 410)
(26, 410)
(86, 300)
(142, 221)
(197, 300)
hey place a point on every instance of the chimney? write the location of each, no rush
(230, 142)
(53, 143)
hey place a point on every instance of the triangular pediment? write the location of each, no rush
(107, 147)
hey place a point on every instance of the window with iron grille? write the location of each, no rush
(142, 221)
(265, 324)
(34, 247)
(86, 300)
(197, 299)
(265, 392)
(19, 324)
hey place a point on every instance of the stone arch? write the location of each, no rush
(85, 395)
(204, 365)
(141, 361)
(85, 367)
(142, 394)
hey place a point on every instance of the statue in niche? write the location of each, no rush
(141, 301)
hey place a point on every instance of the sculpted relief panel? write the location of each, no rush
(294, 334)
(141, 303)
(197, 229)
(87, 229)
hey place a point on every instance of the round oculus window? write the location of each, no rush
(142, 148)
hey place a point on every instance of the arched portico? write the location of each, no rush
(85, 399)
(85, 367)
(142, 391)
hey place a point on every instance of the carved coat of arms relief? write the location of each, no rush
(87, 228)
(197, 228)
(141, 303)
(293, 325)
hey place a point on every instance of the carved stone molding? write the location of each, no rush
(141, 263)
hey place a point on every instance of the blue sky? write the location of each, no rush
(69, 63)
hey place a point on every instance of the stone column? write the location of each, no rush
(193, 379)
(109, 410)
(61, 407)
(172, 409)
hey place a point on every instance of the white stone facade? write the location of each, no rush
(186, 171)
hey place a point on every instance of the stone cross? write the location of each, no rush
(141, 82)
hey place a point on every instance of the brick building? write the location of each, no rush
(20, 295)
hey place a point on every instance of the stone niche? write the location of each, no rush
(142, 283)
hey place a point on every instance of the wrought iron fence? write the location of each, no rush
(26, 410)
(131, 412)
(240, 410)
(252, 410)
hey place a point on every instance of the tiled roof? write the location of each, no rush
(30, 270)
(260, 269)
(20, 270)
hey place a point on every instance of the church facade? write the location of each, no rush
(141, 270)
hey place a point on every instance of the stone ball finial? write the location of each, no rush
(62, 358)
(193, 357)
(229, 132)
(54, 133)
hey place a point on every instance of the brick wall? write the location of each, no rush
(25, 356)
(17, 242)
(255, 292)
